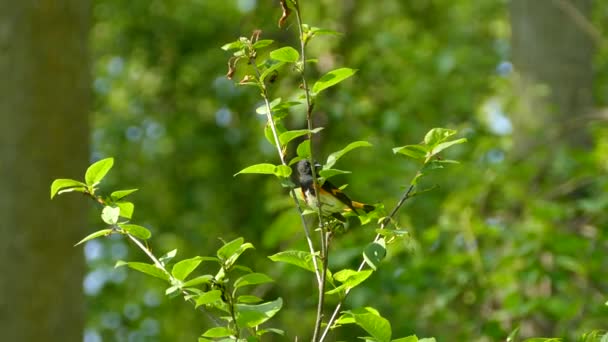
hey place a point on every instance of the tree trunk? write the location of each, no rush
(44, 135)
(553, 55)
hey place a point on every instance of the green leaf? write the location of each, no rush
(231, 251)
(346, 318)
(332, 78)
(285, 54)
(263, 110)
(66, 185)
(413, 151)
(208, 298)
(333, 158)
(214, 259)
(270, 69)
(97, 171)
(136, 230)
(370, 320)
(264, 168)
(428, 339)
(229, 248)
(320, 31)
(254, 315)
(513, 335)
(328, 173)
(74, 189)
(374, 253)
(126, 209)
(148, 269)
(297, 258)
(120, 194)
(281, 171)
(295, 160)
(110, 215)
(233, 258)
(442, 146)
(103, 232)
(168, 256)
(173, 291)
(349, 279)
(282, 110)
(279, 126)
(217, 332)
(411, 338)
(268, 132)
(204, 279)
(252, 279)
(288, 136)
(262, 43)
(236, 45)
(272, 330)
(182, 269)
(438, 135)
(304, 149)
(248, 299)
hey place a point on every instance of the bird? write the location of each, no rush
(334, 200)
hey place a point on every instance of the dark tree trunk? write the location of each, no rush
(44, 135)
(553, 55)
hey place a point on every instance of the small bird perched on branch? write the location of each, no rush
(333, 199)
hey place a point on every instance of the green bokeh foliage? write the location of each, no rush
(489, 252)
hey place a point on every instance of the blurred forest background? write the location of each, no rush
(516, 235)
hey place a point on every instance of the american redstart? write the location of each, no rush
(334, 200)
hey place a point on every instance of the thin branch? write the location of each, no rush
(150, 255)
(321, 298)
(99, 200)
(171, 278)
(324, 235)
(233, 315)
(309, 110)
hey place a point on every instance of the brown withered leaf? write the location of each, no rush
(231, 67)
(255, 36)
(286, 12)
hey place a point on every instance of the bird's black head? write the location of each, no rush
(304, 168)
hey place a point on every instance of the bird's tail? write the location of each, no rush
(365, 207)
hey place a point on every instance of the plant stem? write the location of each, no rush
(309, 109)
(232, 314)
(321, 301)
(324, 235)
(150, 255)
(157, 263)
(277, 142)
